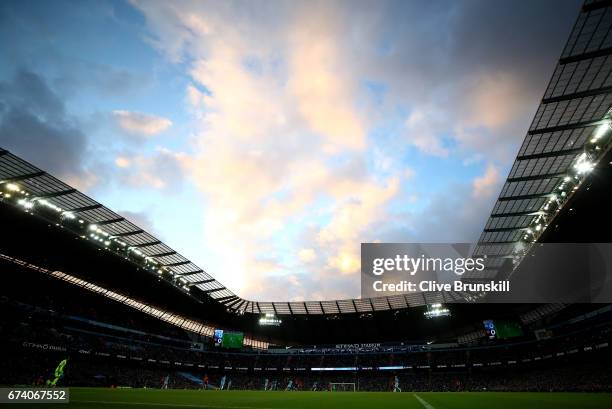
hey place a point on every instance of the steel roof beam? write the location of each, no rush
(129, 233)
(521, 197)
(190, 273)
(86, 208)
(507, 255)
(214, 290)
(581, 94)
(527, 213)
(568, 127)
(231, 304)
(111, 221)
(585, 56)
(563, 152)
(180, 263)
(226, 298)
(202, 282)
(237, 307)
(149, 244)
(23, 177)
(596, 5)
(535, 177)
(56, 194)
(169, 253)
(500, 229)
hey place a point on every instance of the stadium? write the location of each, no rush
(95, 304)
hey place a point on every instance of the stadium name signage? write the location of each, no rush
(357, 346)
(46, 347)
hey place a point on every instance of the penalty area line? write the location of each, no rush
(423, 402)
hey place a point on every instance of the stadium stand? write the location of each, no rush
(110, 344)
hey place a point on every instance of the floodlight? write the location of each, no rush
(26, 204)
(436, 310)
(583, 164)
(600, 131)
(269, 319)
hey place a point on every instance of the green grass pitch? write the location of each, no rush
(163, 399)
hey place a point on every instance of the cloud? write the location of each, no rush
(495, 100)
(423, 133)
(138, 123)
(122, 162)
(485, 185)
(280, 144)
(318, 83)
(39, 38)
(307, 255)
(161, 169)
(454, 218)
(34, 124)
(463, 94)
(286, 130)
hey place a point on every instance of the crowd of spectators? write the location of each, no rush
(121, 350)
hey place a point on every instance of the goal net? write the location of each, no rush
(342, 386)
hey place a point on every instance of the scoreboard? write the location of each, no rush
(502, 329)
(490, 328)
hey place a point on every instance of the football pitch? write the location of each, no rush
(151, 398)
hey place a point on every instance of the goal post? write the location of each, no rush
(342, 386)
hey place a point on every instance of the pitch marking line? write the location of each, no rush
(185, 405)
(423, 402)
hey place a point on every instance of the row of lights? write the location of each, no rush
(269, 319)
(436, 310)
(581, 166)
(15, 193)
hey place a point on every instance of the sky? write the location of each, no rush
(266, 140)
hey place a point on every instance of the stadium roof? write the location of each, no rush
(107, 228)
(569, 133)
(41, 185)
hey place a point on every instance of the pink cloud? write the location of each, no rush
(485, 185)
(138, 123)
